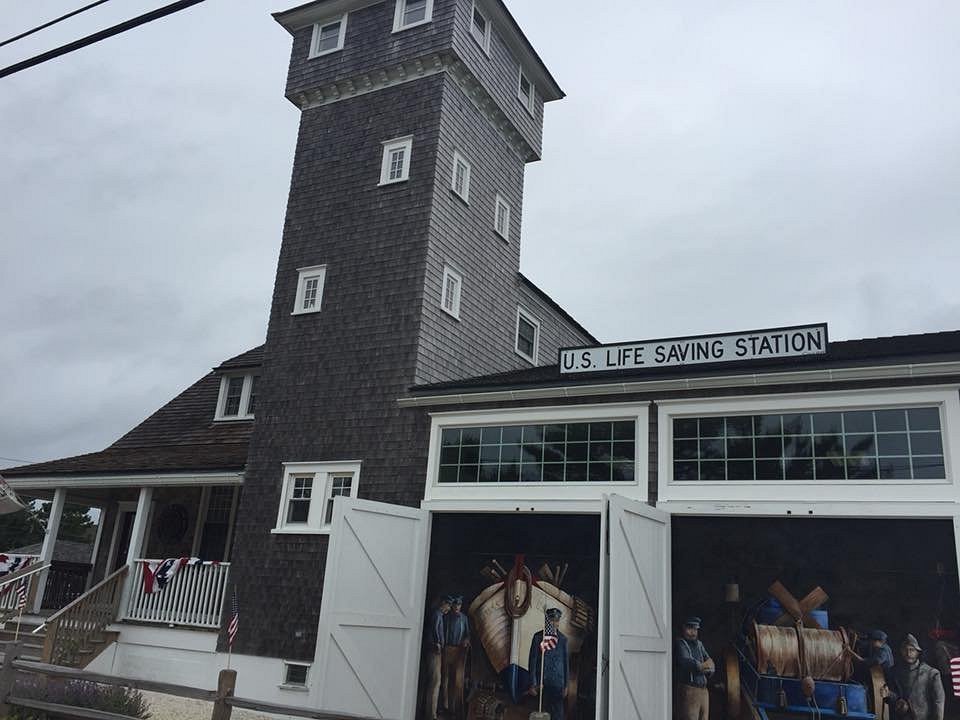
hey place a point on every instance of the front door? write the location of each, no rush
(638, 542)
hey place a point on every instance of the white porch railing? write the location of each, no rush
(193, 598)
(8, 591)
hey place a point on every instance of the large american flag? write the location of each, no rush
(234, 621)
(955, 673)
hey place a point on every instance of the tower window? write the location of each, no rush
(526, 92)
(310, 290)
(237, 397)
(452, 283)
(396, 160)
(480, 28)
(328, 37)
(309, 495)
(460, 182)
(412, 12)
(501, 218)
(528, 335)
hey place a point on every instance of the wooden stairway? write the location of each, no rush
(32, 643)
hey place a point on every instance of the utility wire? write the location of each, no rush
(15, 459)
(98, 36)
(53, 22)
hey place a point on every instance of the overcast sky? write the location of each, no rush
(716, 166)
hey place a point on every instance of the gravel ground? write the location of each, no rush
(169, 707)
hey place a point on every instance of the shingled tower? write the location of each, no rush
(399, 266)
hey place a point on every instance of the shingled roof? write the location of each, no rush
(898, 350)
(179, 437)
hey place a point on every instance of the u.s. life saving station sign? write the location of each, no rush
(698, 350)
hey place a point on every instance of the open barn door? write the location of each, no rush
(639, 678)
(371, 615)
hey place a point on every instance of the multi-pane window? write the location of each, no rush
(328, 37)
(602, 452)
(295, 675)
(395, 166)
(887, 444)
(310, 289)
(452, 283)
(309, 493)
(480, 28)
(237, 396)
(460, 182)
(412, 12)
(528, 335)
(526, 92)
(501, 218)
(301, 493)
(339, 487)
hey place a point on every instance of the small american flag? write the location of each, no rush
(234, 621)
(22, 595)
(549, 641)
(955, 673)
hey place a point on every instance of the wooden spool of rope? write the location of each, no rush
(777, 649)
(826, 654)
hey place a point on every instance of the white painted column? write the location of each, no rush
(138, 541)
(49, 542)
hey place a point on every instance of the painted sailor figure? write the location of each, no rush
(556, 664)
(694, 667)
(917, 693)
(457, 641)
(436, 639)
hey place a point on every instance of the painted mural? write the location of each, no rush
(507, 633)
(790, 619)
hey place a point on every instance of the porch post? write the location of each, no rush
(49, 543)
(138, 541)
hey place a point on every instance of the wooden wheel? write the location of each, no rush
(877, 681)
(731, 672)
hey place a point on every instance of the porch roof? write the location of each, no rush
(181, 437)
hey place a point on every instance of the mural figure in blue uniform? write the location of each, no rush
(556, 664)
(456, 644)
(436, 639)
(694, 667)
(880, 654)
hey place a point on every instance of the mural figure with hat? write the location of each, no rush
(436, 639)
(549, 665)
(457, 643)
(917, 693)
(693, 667)
(880, 655)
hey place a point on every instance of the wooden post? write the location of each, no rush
(7, 676)
(226, 684)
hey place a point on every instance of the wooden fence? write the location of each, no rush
(222, 698)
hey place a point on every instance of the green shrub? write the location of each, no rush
(78, 693)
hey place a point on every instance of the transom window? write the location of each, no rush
(883, 444)
(396, 160)
(583, 452)
(412, 12)
(480, 28)
(452, 284)
(528, 335)
(310, 289)
(310, 491)
(237, 397)
(328, 37)
(526, 92)
(501, 218)
(460, 182)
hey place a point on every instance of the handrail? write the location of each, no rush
(22, 573)
(108, 579)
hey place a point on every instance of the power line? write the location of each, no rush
(53, 22)
(98, 36)
(15, 459)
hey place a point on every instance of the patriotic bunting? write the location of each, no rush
(158, 574)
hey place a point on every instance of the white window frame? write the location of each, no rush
(323, 476)
(532, 319)
(458, 158)
(285, 685)
(399, 12)
(801, 496)
(305, 274)
(244, 410)
(500, 202)
(484, 40)
(559, 497)
(389, 146)
(530, 103)
(454, 312)
(315, 51)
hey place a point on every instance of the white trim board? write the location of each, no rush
(882, 372)
(123, 481)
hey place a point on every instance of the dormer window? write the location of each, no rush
(328, 37)
(410, 13)
(237, 396)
